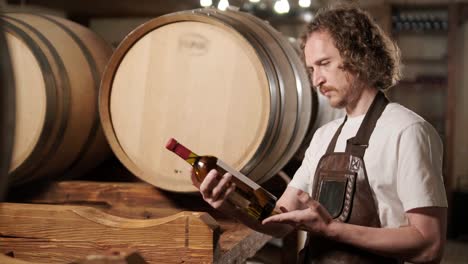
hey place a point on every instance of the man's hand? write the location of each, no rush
(214, 188)
(314, 218)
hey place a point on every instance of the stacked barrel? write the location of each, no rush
(57, 67)
(224, 82)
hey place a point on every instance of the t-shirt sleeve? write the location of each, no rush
(304, 175)
(301, 179)
(419, 180)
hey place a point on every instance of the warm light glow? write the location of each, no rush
(281, 6)
(206, 3)
(307, 16)
(262, 6)
(304, 3)
(254, 1)
(223, 4)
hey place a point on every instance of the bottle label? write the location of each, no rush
(238, 175)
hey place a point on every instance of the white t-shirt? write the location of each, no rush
(403, 162)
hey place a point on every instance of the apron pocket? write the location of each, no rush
(336, 192)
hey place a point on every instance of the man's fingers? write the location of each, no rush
(210, 181)
(281, 218)
(314, 206)
(298, 219)
(271, 219)
(221, 187)
(228, 191)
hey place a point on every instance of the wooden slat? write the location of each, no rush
(110, 257)
(233, 244)
(60, 233)
(4, 259)
(133, 200)
(114, 257)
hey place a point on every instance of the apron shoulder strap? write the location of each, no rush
(357, 145)
(331, 146)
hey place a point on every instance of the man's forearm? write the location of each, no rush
(405, 243)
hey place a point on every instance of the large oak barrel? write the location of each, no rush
(223, 83)
(57, 65)
(7, 112)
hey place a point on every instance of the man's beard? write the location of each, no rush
(335, 94)
(345, 98)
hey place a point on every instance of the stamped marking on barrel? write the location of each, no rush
(194, 44)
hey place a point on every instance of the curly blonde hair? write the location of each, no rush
(366, 50)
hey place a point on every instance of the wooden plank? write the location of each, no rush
(111, 257)
(62, 233)
(134, 200)
(234, 243)
(4, 259)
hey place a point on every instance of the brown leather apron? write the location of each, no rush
(342, 187)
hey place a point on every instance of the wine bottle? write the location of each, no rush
(247, 196)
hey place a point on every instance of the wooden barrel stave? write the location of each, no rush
(288, 116)
(7, 112)
(70, 59)
(295, 124)
(28, 153)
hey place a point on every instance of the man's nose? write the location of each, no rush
(318, 79)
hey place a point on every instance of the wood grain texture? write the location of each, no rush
(108, 257)
(234, 242)
(4, 259)
(222, 83)
(60, 233)
(174, 82)
(113, 257)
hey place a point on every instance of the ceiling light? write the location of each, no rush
(281, 6)
(206, 3)
(304, 3)
(223, 4)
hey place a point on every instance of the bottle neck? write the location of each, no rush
(185, 153)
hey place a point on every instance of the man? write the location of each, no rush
(370, 188)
